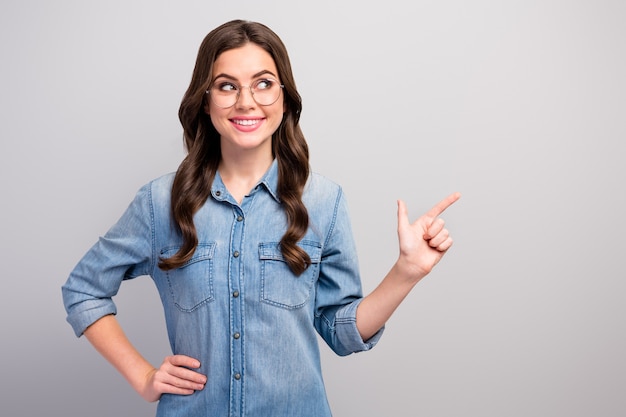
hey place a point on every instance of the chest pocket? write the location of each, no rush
(191, 285)
(279, 286)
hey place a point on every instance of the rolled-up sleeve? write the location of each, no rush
(125, 251)
(339, 291)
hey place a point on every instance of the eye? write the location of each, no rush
(225, 87)
(264, 84)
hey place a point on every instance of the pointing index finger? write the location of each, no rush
(442, 205)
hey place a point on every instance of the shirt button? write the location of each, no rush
(235, 294)
(237, 335)
(239, 218)
(218, 193)
(236, 254)
(237, 376)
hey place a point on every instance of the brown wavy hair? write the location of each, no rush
(194, 177)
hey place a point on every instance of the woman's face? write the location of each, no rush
(246, 125)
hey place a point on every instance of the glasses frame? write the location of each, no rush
(240, 89)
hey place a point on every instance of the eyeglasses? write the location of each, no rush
(225, 94)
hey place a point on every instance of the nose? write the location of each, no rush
(245, 100)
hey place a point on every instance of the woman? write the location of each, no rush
(251, 253)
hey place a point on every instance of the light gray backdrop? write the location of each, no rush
(520, 105)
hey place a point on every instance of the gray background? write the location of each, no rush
(520, 105)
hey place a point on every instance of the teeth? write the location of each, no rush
(246, 122)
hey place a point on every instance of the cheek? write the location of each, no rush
(218, 121)
(279, 115)
(216, 114)
(212, 110)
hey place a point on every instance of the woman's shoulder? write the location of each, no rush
(321, 190)
(325, 202)
(162, 184)
(320, 182)
(158, 191)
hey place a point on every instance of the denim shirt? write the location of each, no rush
(235, 305)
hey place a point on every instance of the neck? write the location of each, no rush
(241, 171)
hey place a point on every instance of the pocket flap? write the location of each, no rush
(271, 251)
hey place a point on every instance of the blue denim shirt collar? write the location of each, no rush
(269, 181)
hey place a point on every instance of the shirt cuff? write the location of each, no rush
(348, 333)
(88, 312)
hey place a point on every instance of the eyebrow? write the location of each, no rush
(230, 77)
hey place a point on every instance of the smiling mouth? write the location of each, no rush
(247, 122)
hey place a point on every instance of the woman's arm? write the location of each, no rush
(422, 245)
(173, 376)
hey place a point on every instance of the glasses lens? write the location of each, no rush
(266, 91)
(224, 94)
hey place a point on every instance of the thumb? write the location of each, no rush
(403, 216)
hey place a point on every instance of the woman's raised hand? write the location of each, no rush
(423, 242)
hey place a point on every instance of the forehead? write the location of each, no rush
(244, 62)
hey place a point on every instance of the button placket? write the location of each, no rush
(236, 271)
